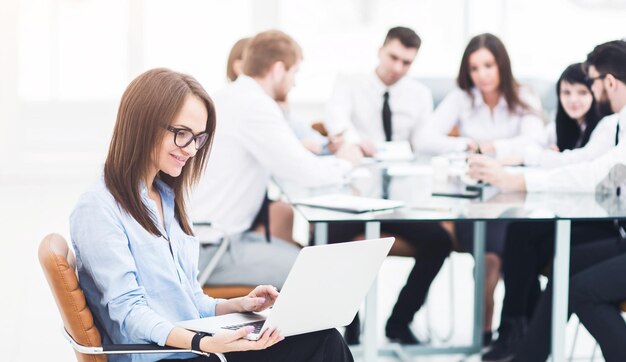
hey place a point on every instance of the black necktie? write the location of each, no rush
(265, 216)
(619, 189)
(386, 117)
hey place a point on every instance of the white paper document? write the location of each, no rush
(349, 203)
(394, 151)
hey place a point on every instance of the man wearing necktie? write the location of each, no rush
(369, 109)
(387, 117)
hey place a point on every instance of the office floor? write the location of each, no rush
(36, 203)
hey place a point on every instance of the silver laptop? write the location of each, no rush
(324, 289)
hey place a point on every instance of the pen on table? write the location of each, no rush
(478, 152)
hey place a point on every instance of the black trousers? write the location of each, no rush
(528, 250)
(322, 346)
(432, 244)
(597, 285)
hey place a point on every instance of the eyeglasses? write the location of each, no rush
(183, 137)
(591, 80)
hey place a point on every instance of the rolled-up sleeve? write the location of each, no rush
(206, 305)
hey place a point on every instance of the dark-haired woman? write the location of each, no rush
(493, 113)
(577, 114)
(573, 136)
(136, 253)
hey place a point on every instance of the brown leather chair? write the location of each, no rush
(59, 266)
(320, 128)
(227, 291)
(623, 306)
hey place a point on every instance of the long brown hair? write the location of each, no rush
(508, 85)
(148, 106)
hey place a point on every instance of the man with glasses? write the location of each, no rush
(606, 70)
(253, 142)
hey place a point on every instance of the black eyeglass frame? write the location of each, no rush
(591, 80)
(195, 137)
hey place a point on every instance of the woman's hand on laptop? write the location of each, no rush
(232, 341)
(261, 298)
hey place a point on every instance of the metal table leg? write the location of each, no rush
(321, 233)
(479, 281)
(560, 285)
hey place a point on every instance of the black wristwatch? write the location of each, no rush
(195, 341)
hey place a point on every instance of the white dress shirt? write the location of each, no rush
(510, 132)
(253, 142)
(355, 108)
(581, 177)
(601, 140)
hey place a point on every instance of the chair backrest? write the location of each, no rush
(59, 266)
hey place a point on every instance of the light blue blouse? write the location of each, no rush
(137, 284)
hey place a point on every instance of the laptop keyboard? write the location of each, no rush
(257, 326)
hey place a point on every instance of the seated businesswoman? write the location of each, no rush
(577, 113)
(493, 113)
(576, 118)
(136, 254)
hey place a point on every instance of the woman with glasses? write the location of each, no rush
(136, 253)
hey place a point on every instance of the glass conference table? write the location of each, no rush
(413, 184)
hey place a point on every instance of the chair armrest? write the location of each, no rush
(131, 348)
(141, 348)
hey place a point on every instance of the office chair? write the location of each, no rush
(622, 307)
(59, 266)
(219, 291)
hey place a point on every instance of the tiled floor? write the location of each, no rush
(37, 203)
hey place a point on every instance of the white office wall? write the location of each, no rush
(79, 50)
(68, 61)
